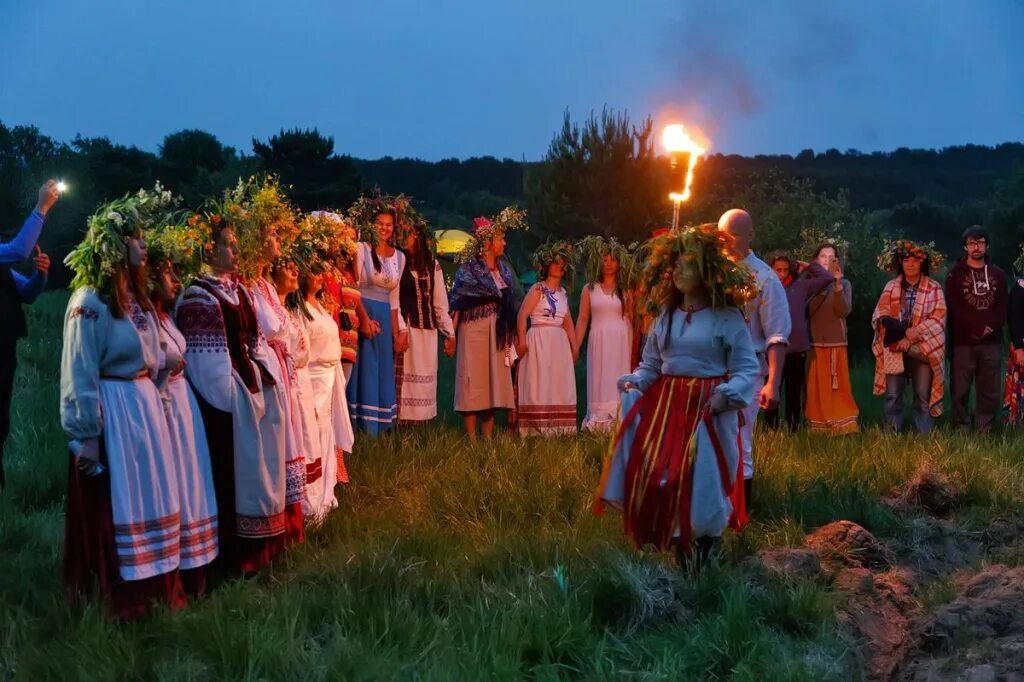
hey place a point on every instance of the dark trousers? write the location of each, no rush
(919, 374)
(978, 365)
(794, 392)
(8, 365)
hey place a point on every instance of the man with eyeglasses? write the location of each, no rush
(976, 296)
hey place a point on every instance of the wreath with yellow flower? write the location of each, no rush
(104, 248)
(729, 283)
(322, 239)
(181, 239)
(252, 208)
(895, 250)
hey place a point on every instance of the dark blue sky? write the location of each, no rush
(440, 78)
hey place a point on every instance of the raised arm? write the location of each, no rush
(20, 248)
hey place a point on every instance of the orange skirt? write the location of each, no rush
(830, 404)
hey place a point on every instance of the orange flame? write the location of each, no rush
(676, 141)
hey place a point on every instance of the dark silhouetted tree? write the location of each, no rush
(307, 165)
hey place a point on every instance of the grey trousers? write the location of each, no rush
(978, 365)
(919, 374)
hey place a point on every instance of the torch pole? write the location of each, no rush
(675, 216)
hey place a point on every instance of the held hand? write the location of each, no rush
(401, 342)
(625, 383)
(718, 403)
(769, 397)
(521, 349)
(449, 346)
(90, 449)
(1018, 356)
(48, 195)
(41, 262)
(369, 328)
(913, 334)
(903, 346)
(175, 366)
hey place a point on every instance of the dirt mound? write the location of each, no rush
(844, 543)
(874, 618)
(979, 635)
(929, 490)
(935, 547)
(790, 562)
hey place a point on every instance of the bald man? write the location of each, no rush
(769, 322)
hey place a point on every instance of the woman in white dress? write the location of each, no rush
(123, 515)
(265, 218)
(676, 463)
(328, 383)
(548, 352)
(187, 435)
(606, 308)
(424, 307)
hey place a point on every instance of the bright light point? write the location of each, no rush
(676, 197)
(62, 186)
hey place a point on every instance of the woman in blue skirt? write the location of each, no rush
(371, 390)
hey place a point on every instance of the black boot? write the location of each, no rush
(748, 493)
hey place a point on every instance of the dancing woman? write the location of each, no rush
(675, 470)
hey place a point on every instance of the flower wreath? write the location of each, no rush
(895, 250)
(104, 248)
(485, 229)
(367, 207)
(729, 283)
(322, 238)
(251, 208)
(592, 251)
(813, 237)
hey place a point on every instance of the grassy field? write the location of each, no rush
(448, 561)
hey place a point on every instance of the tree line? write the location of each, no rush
(604, 174)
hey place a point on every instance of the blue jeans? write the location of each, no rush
(920, 376)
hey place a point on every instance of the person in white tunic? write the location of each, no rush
(188, 437)
(273, 321)
(286, 280)
(123, 515)
(676, 463)
(606, 309)
(548, 352)
(769, 323)
(226, 363)
(424, 306)
(328, 382)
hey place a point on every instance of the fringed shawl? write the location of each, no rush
(475, 294)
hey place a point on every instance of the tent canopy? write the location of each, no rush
(451, 241)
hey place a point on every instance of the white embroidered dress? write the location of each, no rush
(418, 398)
(547, 376)
(608, 354)
(309, 436)
(191, 455)
(108, 391)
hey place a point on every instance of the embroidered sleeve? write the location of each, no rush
(208, 364)
(85, 335)
(775, 319)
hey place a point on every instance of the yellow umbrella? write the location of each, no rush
(451, 241)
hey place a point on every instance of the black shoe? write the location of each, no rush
(748, 493)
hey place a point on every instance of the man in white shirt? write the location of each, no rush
(769, 323)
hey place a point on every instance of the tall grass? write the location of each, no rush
(448, 561)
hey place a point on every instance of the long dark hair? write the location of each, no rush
(619, 291)
(394, 230)
(420, 259)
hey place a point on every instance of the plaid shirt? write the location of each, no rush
(928, 315)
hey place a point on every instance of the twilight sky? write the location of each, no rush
(443, 78)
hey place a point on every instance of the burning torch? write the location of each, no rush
(678, 142)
